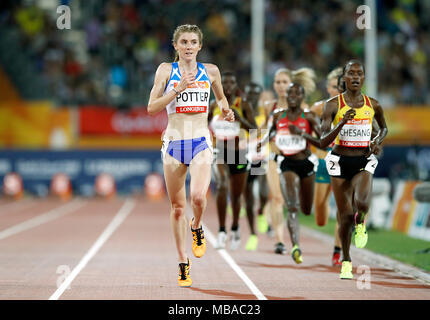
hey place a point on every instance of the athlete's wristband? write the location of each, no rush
(176, 92)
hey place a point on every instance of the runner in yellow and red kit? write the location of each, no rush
(347, 119)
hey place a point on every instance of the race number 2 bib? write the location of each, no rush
(333, 167)
(290, 144)
(356, 133)
(372, 164)
(332, 164)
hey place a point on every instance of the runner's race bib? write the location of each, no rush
(253, 155)
(290, 144)
(332, 164)
(194, 99)
(223, 129)
(372, 164)
(356, 133)
(333, 167)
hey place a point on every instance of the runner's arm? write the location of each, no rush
(315, 124)
(157, 102)
(270, 131)
(218, 91)
(329, 112)
(375, 145)
(248, 121)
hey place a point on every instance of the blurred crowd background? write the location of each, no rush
(114, 46)
(73, 101)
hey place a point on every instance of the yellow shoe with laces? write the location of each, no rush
(199, 241)
(184, 279)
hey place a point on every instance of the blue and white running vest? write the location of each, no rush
(193, 99)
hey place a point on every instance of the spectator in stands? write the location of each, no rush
(298, 34)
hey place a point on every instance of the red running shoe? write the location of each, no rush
(335, 260)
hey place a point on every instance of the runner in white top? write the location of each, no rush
(186, 140)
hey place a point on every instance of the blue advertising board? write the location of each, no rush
(129, 168)
(407, 162)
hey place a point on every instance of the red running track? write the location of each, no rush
(45, 241)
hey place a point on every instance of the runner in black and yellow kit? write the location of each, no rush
(257, 173)
(231, 165)
(352, 161)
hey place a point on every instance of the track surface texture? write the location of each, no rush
(123, 249)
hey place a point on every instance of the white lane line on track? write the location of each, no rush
(230, 261)
(119, 218)
(226, 256)
(43, 218)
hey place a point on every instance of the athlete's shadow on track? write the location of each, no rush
(385, 273)
(239, 296)
(316, 267)
(392, 275)
(401, 285)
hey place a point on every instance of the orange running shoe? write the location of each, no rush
(184, 279)
(199, 241)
